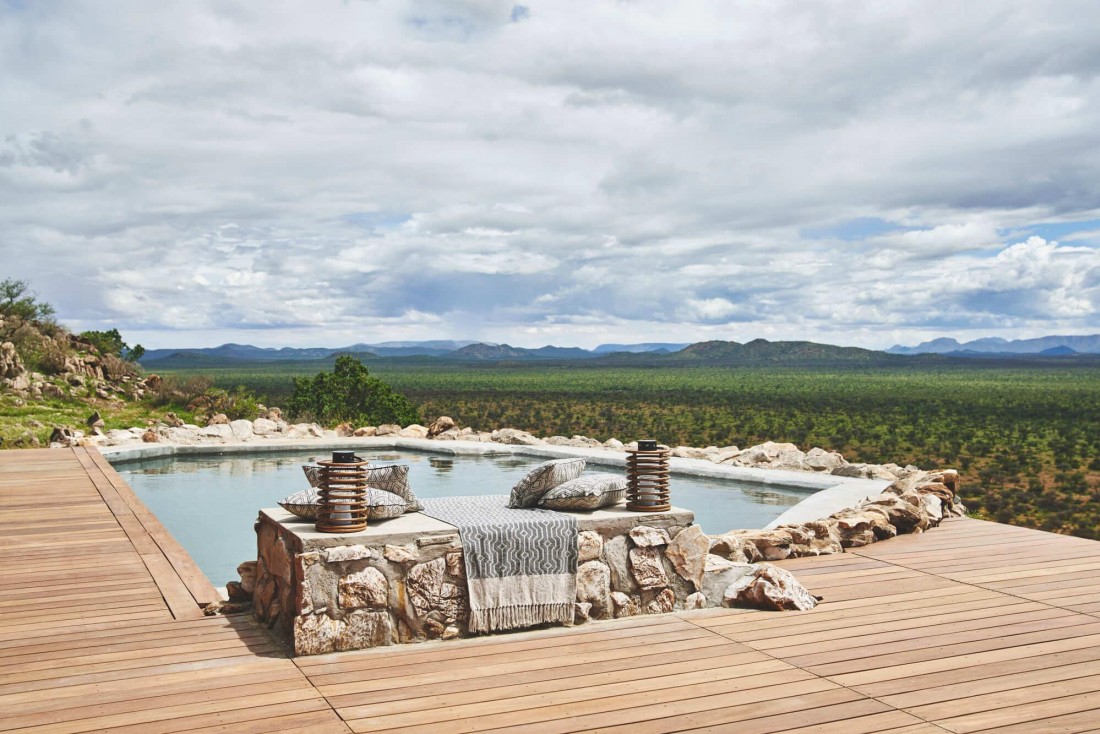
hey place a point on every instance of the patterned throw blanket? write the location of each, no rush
(521, 565)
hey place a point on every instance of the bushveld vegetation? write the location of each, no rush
(1026, 439)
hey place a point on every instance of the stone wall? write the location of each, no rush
(405, 582)
(385, 588)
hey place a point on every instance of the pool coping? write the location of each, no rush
(831, 493)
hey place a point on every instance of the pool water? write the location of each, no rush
(210, 502)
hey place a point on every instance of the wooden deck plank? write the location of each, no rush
(972, 626)
(88, 638)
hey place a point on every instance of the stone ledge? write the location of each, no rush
(403, 580)
(412, 526)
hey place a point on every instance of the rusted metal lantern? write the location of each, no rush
(343, 494)
(647, 477)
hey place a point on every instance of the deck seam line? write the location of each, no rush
(973, 585)
(834, 682)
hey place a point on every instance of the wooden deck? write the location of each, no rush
(971, 627)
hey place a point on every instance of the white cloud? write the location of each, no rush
(647, 171)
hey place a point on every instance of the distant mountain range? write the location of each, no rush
(1068, 349)
(1045, 345)
(463, 350)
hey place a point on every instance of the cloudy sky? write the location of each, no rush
(322, 173)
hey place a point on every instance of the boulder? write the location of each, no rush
(818, 459)
(718, 574)
(439, 425)
(456, 564)
(624, 605)
(663, 603)
(514, 437)
(343, 553)
(402, 553)
(614, 444)
(689, 452)
(688, 554)
(150, 436)
(425, 585)
(414, 431)
(646, 566)
(582, 610)
(388, 429)
(589, 546)
(865, 471)
(172, 420)
(11, 365)
(344, 430)
(242, 429)
(730, 547)
(647, 537)
(247, 572)
(315, 634)
(365, 431)
(218, 419)
(615, 554)
(585, 442)
(769, 587)
(698, 600)
(264, 427)
(361, 630)
(594, 587)
(364, 589)
(218, 430)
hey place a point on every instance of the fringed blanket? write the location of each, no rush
(521, 565)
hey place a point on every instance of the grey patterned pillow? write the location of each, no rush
(590, 492)
(394, 478)
(313, 474)
(302, 504)
(544, 477)
(383, 505)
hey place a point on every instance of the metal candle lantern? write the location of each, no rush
(343, 494)
(647, 478)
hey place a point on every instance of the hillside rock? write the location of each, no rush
(515, 437)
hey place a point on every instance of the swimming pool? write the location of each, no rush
(209, 502)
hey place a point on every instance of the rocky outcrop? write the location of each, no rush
(913, 504)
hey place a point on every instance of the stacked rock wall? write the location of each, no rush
(357, 596)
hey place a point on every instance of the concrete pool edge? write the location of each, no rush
(830, 493)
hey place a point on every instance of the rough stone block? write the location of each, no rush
(364, 589)
(646, 565)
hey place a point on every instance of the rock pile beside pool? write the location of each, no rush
(272, 426)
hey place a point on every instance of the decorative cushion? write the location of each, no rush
(590, 492)
(544, 477)
(383, 505)
(303, 503)
(313, 474)
(394, 478)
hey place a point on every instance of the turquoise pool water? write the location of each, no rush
(210, 502)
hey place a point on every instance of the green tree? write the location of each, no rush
(349, 394)
(110, 342)
(17, 299)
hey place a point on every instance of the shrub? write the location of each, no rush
(349, 394)
(240, 403)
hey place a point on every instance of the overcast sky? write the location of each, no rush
(323, 173)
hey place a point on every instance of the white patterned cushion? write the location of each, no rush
(544, 477)
(383, 505)
(303, 503)
(590, 492)
(394, 478)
